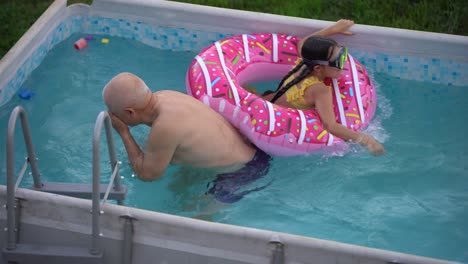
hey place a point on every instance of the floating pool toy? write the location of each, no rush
(217, 76)
(80, 44)
(105, 41)
(89, 37)
(26, 94)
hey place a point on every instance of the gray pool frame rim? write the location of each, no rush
(191, 234)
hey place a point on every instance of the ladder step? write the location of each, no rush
(35, 253)
(81, 190)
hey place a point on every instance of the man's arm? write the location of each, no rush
(151, 164)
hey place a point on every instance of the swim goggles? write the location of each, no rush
(338, 63)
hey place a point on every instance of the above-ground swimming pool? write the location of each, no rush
(412, 200)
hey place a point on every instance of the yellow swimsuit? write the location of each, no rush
(295, 95)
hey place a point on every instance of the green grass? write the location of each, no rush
(443, 16)
(15, 18)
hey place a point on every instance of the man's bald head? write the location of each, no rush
(125, 90)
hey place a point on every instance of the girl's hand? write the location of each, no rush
(342, 26)
(374, 147)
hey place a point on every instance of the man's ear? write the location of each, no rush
(129, 111)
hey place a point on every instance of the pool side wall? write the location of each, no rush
(406, 54)
(51, 219)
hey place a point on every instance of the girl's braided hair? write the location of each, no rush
(314, 48)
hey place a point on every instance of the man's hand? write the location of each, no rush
(118, 124)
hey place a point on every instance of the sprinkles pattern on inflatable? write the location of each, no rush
(217, 74)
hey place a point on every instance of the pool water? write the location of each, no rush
(413, 200)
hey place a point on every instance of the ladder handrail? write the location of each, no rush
(103, 118)
(17, 111)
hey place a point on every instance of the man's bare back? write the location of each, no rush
(205, 138)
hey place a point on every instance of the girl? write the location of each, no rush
(303, 87)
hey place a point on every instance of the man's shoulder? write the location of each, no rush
(170, 93)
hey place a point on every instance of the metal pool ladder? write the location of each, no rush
(18, 252)
(71, 189)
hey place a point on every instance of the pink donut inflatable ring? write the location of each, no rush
(217, 74)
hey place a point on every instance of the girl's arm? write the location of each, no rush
(340, 27)
(323, 100)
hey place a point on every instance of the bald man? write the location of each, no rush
(183, 131)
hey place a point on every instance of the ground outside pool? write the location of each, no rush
(411, 200)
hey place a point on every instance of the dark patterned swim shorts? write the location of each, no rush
(226, 186)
